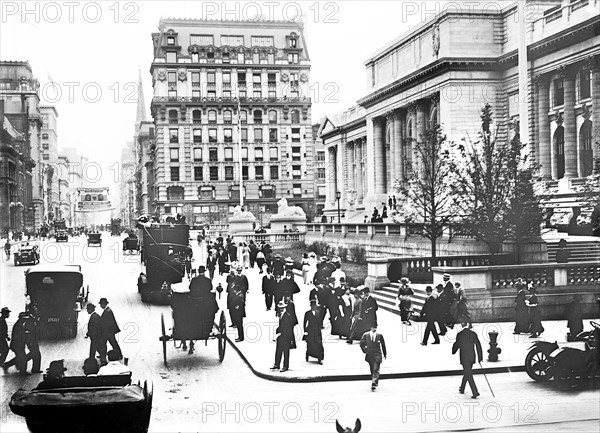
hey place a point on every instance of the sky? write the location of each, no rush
(86, 55)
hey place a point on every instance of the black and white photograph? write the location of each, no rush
(300, 216)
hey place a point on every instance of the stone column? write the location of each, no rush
(390, 117)
(331, 175)
(570, 123)
(545, 142)
(421, 123)
(398, 162)
(595, 84)
(379, 150)
(360, 193)
(350, 164)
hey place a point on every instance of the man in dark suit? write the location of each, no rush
(94, 333)
(267, 288)
(242, 281)
(429, 312)
(211, 264)
(238, 312)
(278, 266)
(4, 338)
(201, 286)
(370, 308)
(284, 336)
(373, 346)
(446, 299)
(468, 342)
(109, 325)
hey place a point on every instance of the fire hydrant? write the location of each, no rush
(494, 350)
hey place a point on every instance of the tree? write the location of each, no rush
(429, 197)
(486, 180)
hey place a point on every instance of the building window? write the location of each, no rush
(293, 42)
(198, 174)
(173, 135)
(272, 94)
(228, 173)
(243, 116)
(320, 156)
(244, 135)
(195, 58)
(294, 79)
(244, 154)
(584, 84)
(174, 174)
(272, 116)
(321, 191)
(297, 190)
(257, 94)
(267, 191)
(295, 135)
(296, 154)
(258, 154)
(197, 136)
(258, 135)
(256, 79)
(44, 136)
(210, 78)
(172, 95)
(257, 116)
(201, 40)
(225, 57)
(296, 172)
(559, 94)
(213, 154)
(172, 116)
(273, 154)
(212, 116)
(197, 154)
(195, 95)
(195, 79)
(174, 154)
(320, 173)
(274, 172)
(262, 41)
(232, 41)
(45, 146)
(226, 116)
(295, 116)
(245, 172)
(226, 78)
(229, 154)
(214, 173)
(271, 79)
(292, 58)
(255, 58)
(228, 135)
(210, 56)
(172, 78)
(206, 192)
(211, 94)
(240, 58)
(259, 173)
(175, 193)
(271, 58)
(45, 157)
(273, 136)
(242, 94)
(171, 57)
(196, 116)
(212, 135)
(241, 78)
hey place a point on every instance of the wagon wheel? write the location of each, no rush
(221, 337)
(164, 338)
(538, 365)
(148, 394)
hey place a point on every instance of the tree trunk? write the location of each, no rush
(433, 251)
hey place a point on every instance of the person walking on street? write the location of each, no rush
(267, 288)
(211, 265)
(306, 269)
(404, 301)
(574, 319)
(260, 260)
(370, 308)
(439, 309)
(535, 315)
(312, 333)
(447, 298)
(468, 344)
(109, 325)
(17, 345)
(284, 337)
(357, 328)
(429, 312)
(30, 327)
(238, 312)
(4, 338)
(373, 346)
(94, 333)
(522, 312)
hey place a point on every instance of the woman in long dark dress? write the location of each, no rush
(404, 301)
(345, 314)
(462, 308)
(312, 333)
(356, 328)
(535, 315)
(522, 312)
(574, 319)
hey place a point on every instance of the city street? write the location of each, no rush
(197, 393)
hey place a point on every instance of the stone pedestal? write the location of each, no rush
(291, 222)
(240, 226)
(377, 269)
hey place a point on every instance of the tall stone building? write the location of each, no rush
(49, 162)
(76, 179)
(201, 71)
(19, 95)
(445, 70)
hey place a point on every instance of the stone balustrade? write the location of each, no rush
(270, 238)
(374, 230)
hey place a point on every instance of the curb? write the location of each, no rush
(356, 377)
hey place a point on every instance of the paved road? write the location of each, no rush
(197, 393)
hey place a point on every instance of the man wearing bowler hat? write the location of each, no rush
(4, 338)
(109, 325)
(370, 307)
(94, 333)
(468, 343)
(54, 377)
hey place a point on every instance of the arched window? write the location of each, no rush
(172, 116)
(295, 116)
(227, 116)
(559, 151)
(272, 116)
(257, 116)
(585, 149)
(197, 116)
(212, 116)
(243, 116)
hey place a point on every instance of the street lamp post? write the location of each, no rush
(338, 195)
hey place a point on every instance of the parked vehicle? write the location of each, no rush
(27, 254)
(61, 235)
(58, 295)
(94, 238)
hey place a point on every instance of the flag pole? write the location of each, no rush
(239, 106)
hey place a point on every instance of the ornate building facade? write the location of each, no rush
(445, 70)
(201, 71)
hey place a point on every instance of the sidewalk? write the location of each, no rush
(406, 357)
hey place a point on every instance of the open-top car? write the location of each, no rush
(27, 254)
(87, 403)
(58, 295)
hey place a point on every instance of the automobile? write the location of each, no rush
(569, 363)
(27, 254)
(94, 238)
(57, 294)
(87, 404)
(61, 235)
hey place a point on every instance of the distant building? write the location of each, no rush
(200, 72)
(76, 179)
(49, 162)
